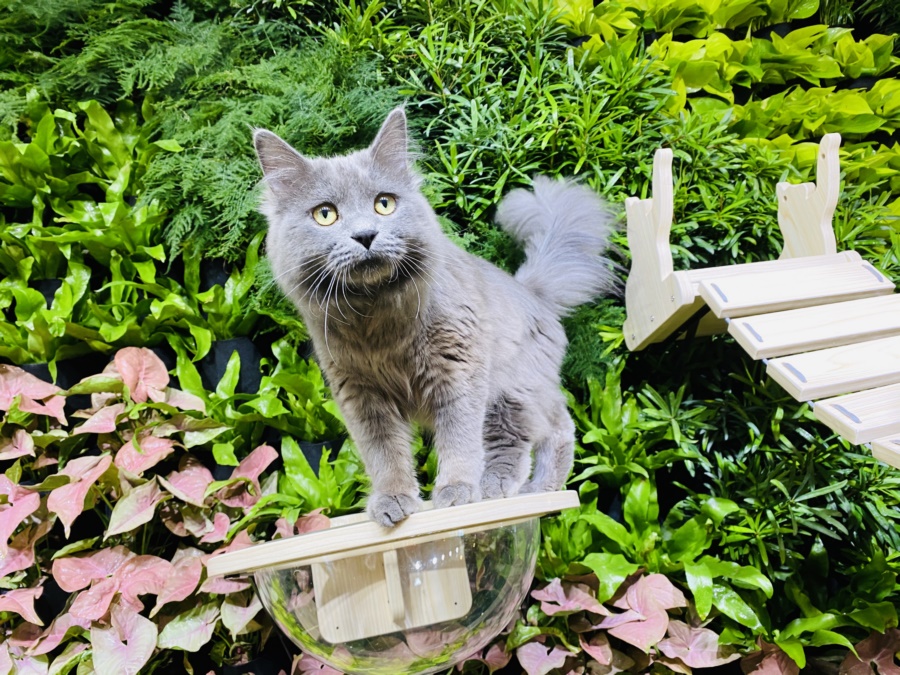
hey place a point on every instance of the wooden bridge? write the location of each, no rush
(826, 323)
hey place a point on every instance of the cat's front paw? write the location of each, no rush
(388, 510)
(494, 486)
(455, 494)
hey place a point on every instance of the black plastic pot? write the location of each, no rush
(47, 288)
(212, 366)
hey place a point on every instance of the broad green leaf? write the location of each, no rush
(700, 582)
(611, 570)
(733, 605)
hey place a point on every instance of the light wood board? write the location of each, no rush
(864, 416)
(378, 593)
(778, 290)
(765, 336)
(362, 537)
(838, 370)
(887, 450)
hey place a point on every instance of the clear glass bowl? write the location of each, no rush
(419, 608)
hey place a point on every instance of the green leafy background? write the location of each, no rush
(127, 174)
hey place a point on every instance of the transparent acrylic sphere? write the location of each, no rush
(484, 576)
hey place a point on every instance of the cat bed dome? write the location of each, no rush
(416, 598)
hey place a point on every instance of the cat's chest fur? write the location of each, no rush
(407, 356)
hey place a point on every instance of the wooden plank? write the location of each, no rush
(378, 593)
(838, 370)
(774, 291)
(369, 536)
(887, 450)
(764, 336)
(864, 416)
(698, 276)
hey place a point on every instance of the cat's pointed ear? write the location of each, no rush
(282, 166)
(390, 147)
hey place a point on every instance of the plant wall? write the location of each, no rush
(160, 406)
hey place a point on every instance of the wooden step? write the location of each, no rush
(838, 370)
(781, 289)
(864, 416)
(764, 336)
(887, 450)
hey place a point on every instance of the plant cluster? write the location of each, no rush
(719, 523)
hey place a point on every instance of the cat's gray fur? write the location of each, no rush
(416, 329)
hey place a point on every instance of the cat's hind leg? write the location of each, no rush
(507, 448)
(554, 454)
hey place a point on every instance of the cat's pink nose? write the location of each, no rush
(365, 238)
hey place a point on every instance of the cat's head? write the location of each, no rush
(357, 222)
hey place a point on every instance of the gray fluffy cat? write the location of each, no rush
(409, 327)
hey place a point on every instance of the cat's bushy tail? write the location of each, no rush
(564, 227)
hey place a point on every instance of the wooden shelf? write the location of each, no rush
(887, 450)
(765, 336)
(826, 282)
(348, 540)
(838, 370)
(864, 416)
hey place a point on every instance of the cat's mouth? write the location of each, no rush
(375, 271)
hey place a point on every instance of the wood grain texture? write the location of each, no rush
(829, 281)
(805, 211)
(765, 336)
(368, 536)
(379, 593)
(887, 450)
(838, 370)
(864, 416)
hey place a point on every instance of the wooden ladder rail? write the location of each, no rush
(658, 300)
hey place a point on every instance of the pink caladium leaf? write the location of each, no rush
(103, 421)
(31, 665)
(696, 647)
(20, 445)
(21, 601)
(189, 483)
(126, 646)
(183, 580)
(769, 660)
(152, 451)
(644, 633)
(20, 551)
(649, 597)
(305, 664)
(142, 575)
(135, 508)
(51, 638)
(311, 522)
(238, 610)
(191, 630)
(184, 400)
(495, 657)
(536, 659)
(221, 523)
(876, 654)
(562, 599)
(35, 395)
(654, 591)
(223, 586)
(68, 501)
(142, 372)
(76, 572)
(93, 603)
(598, 648)
(251, 467)
(20, 503)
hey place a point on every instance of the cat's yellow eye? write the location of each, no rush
(385, 204)
(325, 214)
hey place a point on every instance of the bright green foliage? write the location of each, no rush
(689, 462)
